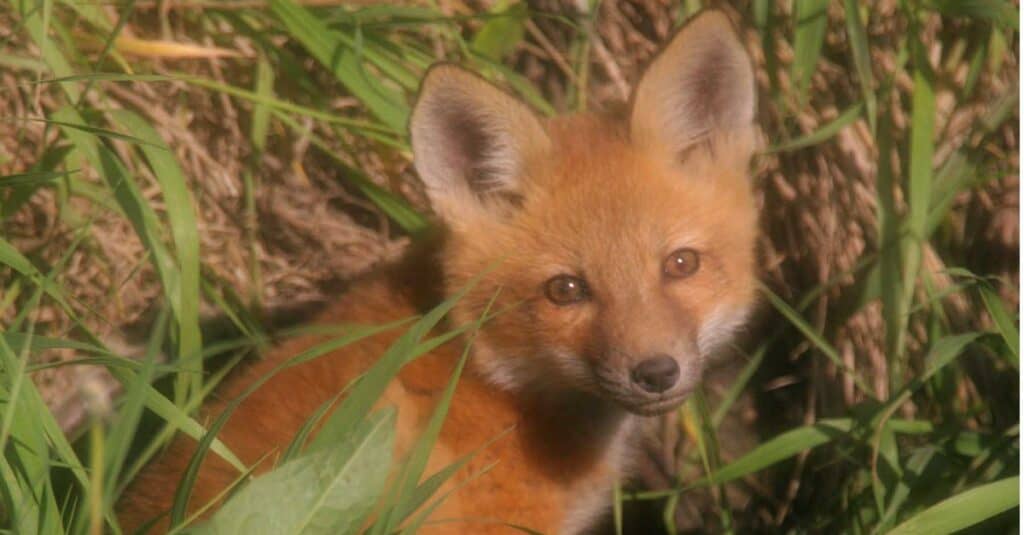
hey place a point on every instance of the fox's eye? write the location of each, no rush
(682, 263)
(566, 290)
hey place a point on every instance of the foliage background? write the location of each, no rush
(237, 163)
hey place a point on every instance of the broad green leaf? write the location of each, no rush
(325, 492)
(188, 479)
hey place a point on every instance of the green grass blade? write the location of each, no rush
(119, 438)
(964, 510)
(185, 234)
(994, 11)
(11, 257)
(860, 51)
(738, 385)
(298, 442)
(815, 338)
(338, 55)
(371, 385)
(131, 201)
(826, 132)
(1004, 324)
(413, 468)
(99, 132)
(782, 447)
(919, 191)
(33, 178)
(913, 473)
(396, 208)
(810, 22)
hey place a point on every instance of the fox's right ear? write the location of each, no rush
(471, 142)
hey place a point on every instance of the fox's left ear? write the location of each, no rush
(699, 89)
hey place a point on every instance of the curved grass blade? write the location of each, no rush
(826, 132)
(815, 337)
(964, 510)
(184, 231)
(413, 468)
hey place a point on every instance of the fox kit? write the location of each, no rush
(624, 253)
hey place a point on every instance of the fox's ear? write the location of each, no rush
(699, 89)
(471, 142)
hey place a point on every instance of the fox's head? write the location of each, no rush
(625, 245)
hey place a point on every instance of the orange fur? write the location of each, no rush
(526, 200)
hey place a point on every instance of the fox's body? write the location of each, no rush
(621, 252)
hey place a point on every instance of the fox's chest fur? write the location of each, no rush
(619, 252)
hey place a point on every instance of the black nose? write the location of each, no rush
(656, 374)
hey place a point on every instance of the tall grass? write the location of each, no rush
(923, 446)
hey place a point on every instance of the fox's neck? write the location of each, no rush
(576, 432)
(578, 441)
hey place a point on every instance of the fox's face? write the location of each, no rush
(619, 254)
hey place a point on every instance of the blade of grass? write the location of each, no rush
(95, 130)
(370, 387)
(942, 352)
(338, 54)
(412, 469)
(826, 132)
(810, 22)
(964, 510)
(396, 208)
(33, 178)
(815, 338)
(919, 188)
(1004, 324)
(994, 11)
(738, 385)
(188, 478)
(861, 54)
(184, 232)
